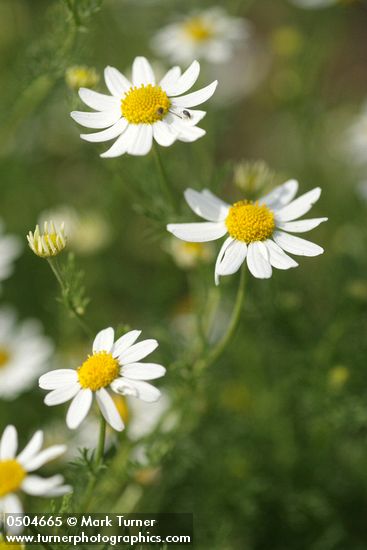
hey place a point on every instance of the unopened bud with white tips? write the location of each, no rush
(48, 243)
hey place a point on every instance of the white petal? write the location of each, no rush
(195, 98)
(116, 82)
(197, 232)
(138, 351)
(61, 395)
(205, 207)
(297, 246)
(40, 486)
(104, 340)
(281, 195)
(298, 207)
(232, 259)
(278, 258)
(188, 117)
(45, 456)
(96, 120)
(79, 408)
(9, 443)
(12, 505)
(57, 379)
(143, 371)
(189, 134)
(141, 140)
(170, 78)
(142, 72)
(110, 133)
(185, 82)
(301, 226)
(125, 342)
(121, 144)
(224, 247)
(163, 134)
(257, 261)
(136, 388)
(32, 448)
(109, 410)
(97, 101)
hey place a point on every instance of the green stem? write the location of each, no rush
(101, 441)
(165, 184)
(53, 263)
(214, 353)
(98, 459)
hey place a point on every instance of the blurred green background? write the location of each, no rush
(269, 449)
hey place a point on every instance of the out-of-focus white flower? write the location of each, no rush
(188, 255)
(87, 232)
(314, 4)
(24, 353)
(257, 231)
(357, 138)
(209, 34)
(10, 249)
(141, 110)
(16, 471)
(114, 365)
(80, 75)
(49, 242)
(143, 417)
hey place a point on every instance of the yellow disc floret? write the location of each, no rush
(98, 371)
(145, 105)
(4, 357)
(11, 476)
(198, 29)
(249, 222)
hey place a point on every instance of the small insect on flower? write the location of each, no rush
(114, 365)
(48, 243)
(257, 231)
(143, 109)
(15, 470)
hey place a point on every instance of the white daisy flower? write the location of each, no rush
(114, 365)
(140, 110)
(208, 34)
(257, 231)
(10, 248)
(16, 471)
(24, 352)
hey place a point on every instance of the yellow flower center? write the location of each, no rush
(11, 476)
(4, 357)
(198, 29)
(9, 546)
(145, 105)
(249, 222)
(98, 371)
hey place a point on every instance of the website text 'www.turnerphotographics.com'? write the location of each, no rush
(106, 529)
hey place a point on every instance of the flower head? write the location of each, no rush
(48, 243)
(257, 231)
(10, 248)
(24, 352)
(139, 111)
(15, 470)
(81, 75)
(114, 365)
(209, 34)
